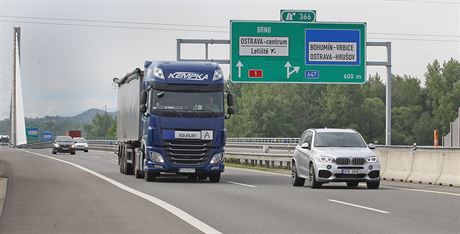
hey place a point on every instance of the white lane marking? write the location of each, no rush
(362, 207)
(247, 185)
(168, 207)
(422, 190)
(251, 170)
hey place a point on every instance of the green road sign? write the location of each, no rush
(32, 133)
(298, 15)
(293, 52)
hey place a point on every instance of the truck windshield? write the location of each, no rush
(183, 103)
(338, 139)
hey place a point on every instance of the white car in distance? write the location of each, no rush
(81, 144)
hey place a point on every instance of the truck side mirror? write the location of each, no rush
(231, 110)
(230, 99)
(142, 108)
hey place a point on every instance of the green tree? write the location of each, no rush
(372, 124)
(100, 126)
(443, 87)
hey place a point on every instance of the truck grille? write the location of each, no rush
(354, 161)
(187, 152)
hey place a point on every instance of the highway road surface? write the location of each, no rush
(85, 193)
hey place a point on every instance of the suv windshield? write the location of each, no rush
(195, 103)
(338, 139)
(64, 139)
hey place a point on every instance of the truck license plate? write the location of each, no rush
(350, 171)
(187, 170)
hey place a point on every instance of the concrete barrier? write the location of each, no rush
(450, 172)
(382, 155)
(426, 166)
(398, 164)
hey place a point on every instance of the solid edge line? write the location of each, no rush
(363, 207)
(422, 190)
(3, 189)
(168, 207)
(253, 170)
(247, 185)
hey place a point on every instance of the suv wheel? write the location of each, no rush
(312, 178)
(373, 185)
(295, 179)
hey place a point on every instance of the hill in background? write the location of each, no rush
(56, 124)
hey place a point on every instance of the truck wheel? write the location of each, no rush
(121, 162)
(313, 182)
(295, 179)
(150, 176)
(214, 178)
(373, 185)
(138, 160)
(352, 184)
(128, 168)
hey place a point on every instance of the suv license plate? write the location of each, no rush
(187, 170)
(350, 171)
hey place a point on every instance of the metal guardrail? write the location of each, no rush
(268, 152)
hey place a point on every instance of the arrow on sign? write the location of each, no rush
(288, 68)
(290, 16)
(239, 65)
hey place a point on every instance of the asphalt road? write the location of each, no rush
(46, 195)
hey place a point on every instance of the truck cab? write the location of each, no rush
(181, 121)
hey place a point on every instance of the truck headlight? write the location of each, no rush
(158, 73)
(156, 157)
(372, 159)
(326, 159)
(218, 74)
(217, 158)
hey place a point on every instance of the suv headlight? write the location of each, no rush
(56, 145)
(372, 159)
(326, 159)
(217, 158)
(156, 157)
(218, 74)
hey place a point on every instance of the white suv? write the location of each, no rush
(334, 155)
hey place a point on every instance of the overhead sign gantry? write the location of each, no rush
(297, 52)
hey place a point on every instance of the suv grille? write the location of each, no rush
(187, 152)
(354, 161)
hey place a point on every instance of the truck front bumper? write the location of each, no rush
(183, 169)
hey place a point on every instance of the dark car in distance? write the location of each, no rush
(63, 144)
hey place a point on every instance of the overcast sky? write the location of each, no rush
(71, 50)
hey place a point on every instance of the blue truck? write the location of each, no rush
(171, 120)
